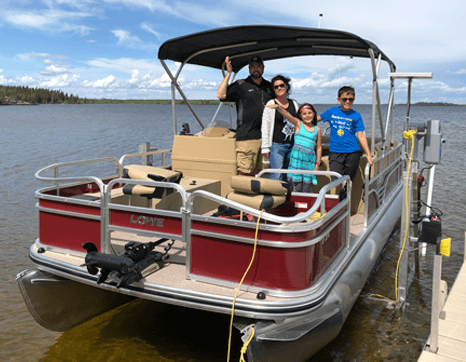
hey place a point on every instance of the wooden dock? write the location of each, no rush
(451, 325)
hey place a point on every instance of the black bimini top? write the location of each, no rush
(209, 48)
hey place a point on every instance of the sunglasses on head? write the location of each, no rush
(282, 85)
(347, 99)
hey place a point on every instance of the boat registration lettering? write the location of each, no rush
(146, 220)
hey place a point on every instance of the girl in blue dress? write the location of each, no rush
(307, 148)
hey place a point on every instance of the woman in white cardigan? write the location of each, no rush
(277, 131)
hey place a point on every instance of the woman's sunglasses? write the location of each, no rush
(282, 85)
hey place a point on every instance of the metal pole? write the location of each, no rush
(430, 191)
(408, 103)
(374, 93)
(415, 211)
(434, 324)
(405, 235)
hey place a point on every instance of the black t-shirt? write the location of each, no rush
(250, 99)
(283, 130)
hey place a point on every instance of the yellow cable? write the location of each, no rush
(237, 290)
(408, 135)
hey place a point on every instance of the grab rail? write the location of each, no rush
(300, 172)
(105, 242)
(162, 152)
(57, 179)
(102, 187)
(368, 181)
(320, 203)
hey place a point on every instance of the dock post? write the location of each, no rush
(434, 318)
(404, 238)
(410, 211)
(144, 148)
(439, 294)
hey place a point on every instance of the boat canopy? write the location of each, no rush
(209, 48)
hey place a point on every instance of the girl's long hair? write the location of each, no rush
(308, 105)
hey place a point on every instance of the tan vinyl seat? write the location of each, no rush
(141, 172)
(259, 193)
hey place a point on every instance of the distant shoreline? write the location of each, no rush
(208, 102)
(14, 102)
(435, 104)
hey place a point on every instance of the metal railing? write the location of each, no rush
(143, 154)
(318, 205)
(382, 175)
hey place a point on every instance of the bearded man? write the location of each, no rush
(250, 96)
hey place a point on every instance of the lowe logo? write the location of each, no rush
(146, 220)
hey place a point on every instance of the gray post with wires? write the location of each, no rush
(430, 231)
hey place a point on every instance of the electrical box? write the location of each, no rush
(432, 143)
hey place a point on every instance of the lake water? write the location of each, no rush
(33, 137)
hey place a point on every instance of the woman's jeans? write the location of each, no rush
(280, 158)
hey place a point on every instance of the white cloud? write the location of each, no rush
(102, 83)
(461, 71)
(134, 77)
(27, 80)
(131, 41)
(50, 20)
(124, 37)
(127, 65)
(152, 5)
(63, 80)
(34, 55)
(55, 69)
(77, 4)
(207, 12)
(27, 19)
(149, 28)
(147, 81)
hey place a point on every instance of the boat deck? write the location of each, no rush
(173, 274)
(452, 328)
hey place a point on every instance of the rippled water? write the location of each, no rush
(33, 137)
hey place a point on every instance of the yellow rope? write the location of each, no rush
(237, 290)
(245, 346)
(317, 215)
(407, 135)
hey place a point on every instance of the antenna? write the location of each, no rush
(320, 18)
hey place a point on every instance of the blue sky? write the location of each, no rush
(108, 49)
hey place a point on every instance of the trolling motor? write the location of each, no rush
(128, 266)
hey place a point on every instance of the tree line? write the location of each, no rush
(30, 95)
(25, 94)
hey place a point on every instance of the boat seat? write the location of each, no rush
(140, 172)
(259, 193)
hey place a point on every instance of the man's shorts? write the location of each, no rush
(248, 155)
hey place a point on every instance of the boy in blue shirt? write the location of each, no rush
(346, 127)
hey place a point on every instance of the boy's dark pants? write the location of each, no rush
(344, 164)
